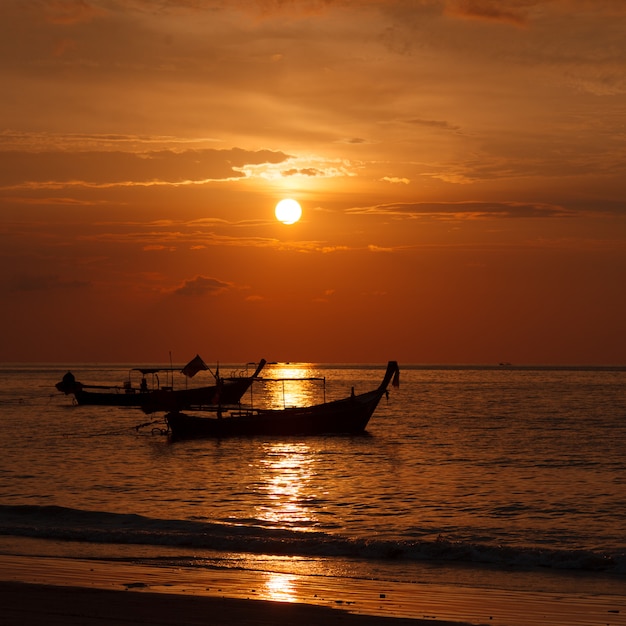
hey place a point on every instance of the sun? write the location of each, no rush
(288, 211)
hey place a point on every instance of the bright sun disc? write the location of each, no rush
(288, 211)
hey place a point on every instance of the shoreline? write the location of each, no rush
(47, 605)
(40, 590)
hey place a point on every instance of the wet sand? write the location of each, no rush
(37, 605)
(69, 592)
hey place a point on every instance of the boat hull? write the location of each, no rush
(165, 400)
(230, 391)
(226, 391)
(344, 416)
(347, 416)
(105, 398)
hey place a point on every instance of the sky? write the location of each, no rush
(461, 167)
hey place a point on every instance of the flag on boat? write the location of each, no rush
(194, 366)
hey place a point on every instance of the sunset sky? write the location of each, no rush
(461, 167)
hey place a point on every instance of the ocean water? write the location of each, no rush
(504, 476)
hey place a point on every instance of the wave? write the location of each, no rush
(66, 524)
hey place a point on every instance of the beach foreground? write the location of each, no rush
(40, 605)
(51, 591)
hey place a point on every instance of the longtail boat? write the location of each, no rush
(151, 397)
(349, 415)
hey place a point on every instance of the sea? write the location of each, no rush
(502, 476)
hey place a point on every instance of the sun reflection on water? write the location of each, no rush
(293, 388)
(287, 472)
(279, 587)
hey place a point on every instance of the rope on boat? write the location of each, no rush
(154, 431)
(30, 399)
(120, 431)
(104, 433)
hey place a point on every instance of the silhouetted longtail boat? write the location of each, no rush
(153, 397)
(348, 415)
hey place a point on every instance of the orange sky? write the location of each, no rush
(461, 166)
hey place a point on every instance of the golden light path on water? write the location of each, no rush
(286, 473)
(290, 387)
(280, 587)
(288, 468)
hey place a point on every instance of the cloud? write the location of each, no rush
(307, 171)
(157, 248)
(202, 286)
(510, 12)
(466, 210)
(51, 201)
(187, 235)
(42, 141)
(70, 12)
(104, 168)
(395, 179)
(44, 282)
(438, 124)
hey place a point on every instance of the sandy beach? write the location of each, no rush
(50, 591)
(39, 605)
